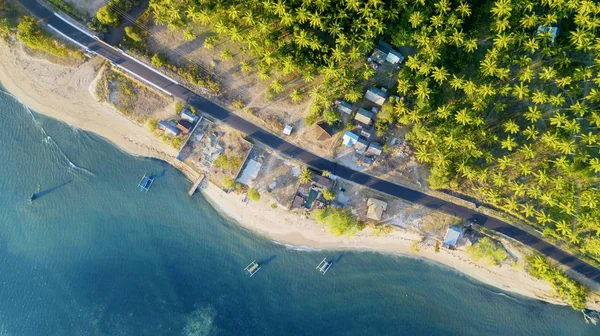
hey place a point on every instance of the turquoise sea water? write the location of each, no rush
(94, 256)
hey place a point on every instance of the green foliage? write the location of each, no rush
(338, 221)
(565, 287)
(488, 250)
(158, 60)
(152, 124)
(227, 162)
(228, 182)
(176, 142)
(328, 194)
(31, 34)
(331, 116)
(178, 107)
(305, 175)
(134, 33)
(65, 7)
(108, 14)
(5, 28)
(253, 194)
(226, 55)
(273, 206)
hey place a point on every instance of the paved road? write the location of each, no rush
(275, 142)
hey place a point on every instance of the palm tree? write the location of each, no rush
(462, 117)
(440, 74)
(502, 8)
(539, 97)
(509, 143)
(471, 45)
(296, 95)
(305, 175)
(416, 18)
(276, 86)
(464, 9)
(527, 151)
(521, 91)
(511, 127)
(531, 132)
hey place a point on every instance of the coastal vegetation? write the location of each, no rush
(253, 194)
(31, 34)
(487, 250)
(339, 221)
(565, 287)
(505, 111)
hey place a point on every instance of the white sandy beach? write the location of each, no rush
(66, 94)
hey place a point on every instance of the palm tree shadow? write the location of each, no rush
(47, 191)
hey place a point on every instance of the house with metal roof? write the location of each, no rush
(188, 115)
(172, 129)
(185, 126)
(349, 139)
(163, 124)
(452, 236)
(384, 52)
(376, 95)
(361, 145)
(363, 116)
(374, 149)
(288, 130)
(344, 107)
(544, 29)
(327, 131)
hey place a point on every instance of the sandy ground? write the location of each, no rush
(66, 94)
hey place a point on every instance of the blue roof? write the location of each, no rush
(173, 128)
(451, 237)
(350, 139)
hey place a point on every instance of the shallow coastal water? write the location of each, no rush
(95, 256)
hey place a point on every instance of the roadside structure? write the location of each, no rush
(364, 117)
(385, 53)
(452, 236)
(188, 115)
(375, 209)
(172, 129)
(288, 130)
(344, 107)
(326, 130)
(377, 96)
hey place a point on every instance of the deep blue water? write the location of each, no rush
(94, 256)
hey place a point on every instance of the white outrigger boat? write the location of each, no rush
(252, 268)
(323, 266)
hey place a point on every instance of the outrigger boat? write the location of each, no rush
(252, 268)
(323, 266)
(34, 195)
(145, 183)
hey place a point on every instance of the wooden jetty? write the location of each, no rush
(252, 268)
(323, 266)
(196, 185)
(145, 183)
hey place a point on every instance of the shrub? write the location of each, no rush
(328, 194)
(487, 250)
(176, 142)
(134, 33)
(178, 107)
(30, 33)
(253, 194)
(152, 124)
(106, 15)
(338, 221)
(273, 206)
(228, 182)
(158, 60)
(226, 162)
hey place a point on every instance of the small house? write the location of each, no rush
(349, 139)
(326, 130)
(298, 202)
(375, 209)
(304, 188)
(172, 129)
(394, 57)
(376, 95)
(344, 107)
(185, 126)
(162, 124)
(374, 149)
(322, 181)
(361, 145)
(452, 236)
(364, 117)
(188, 115)
(553, 31)
(288, 129)
(384, 52)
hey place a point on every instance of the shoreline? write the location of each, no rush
(66, 94)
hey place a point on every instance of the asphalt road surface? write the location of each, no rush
(159, 81)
